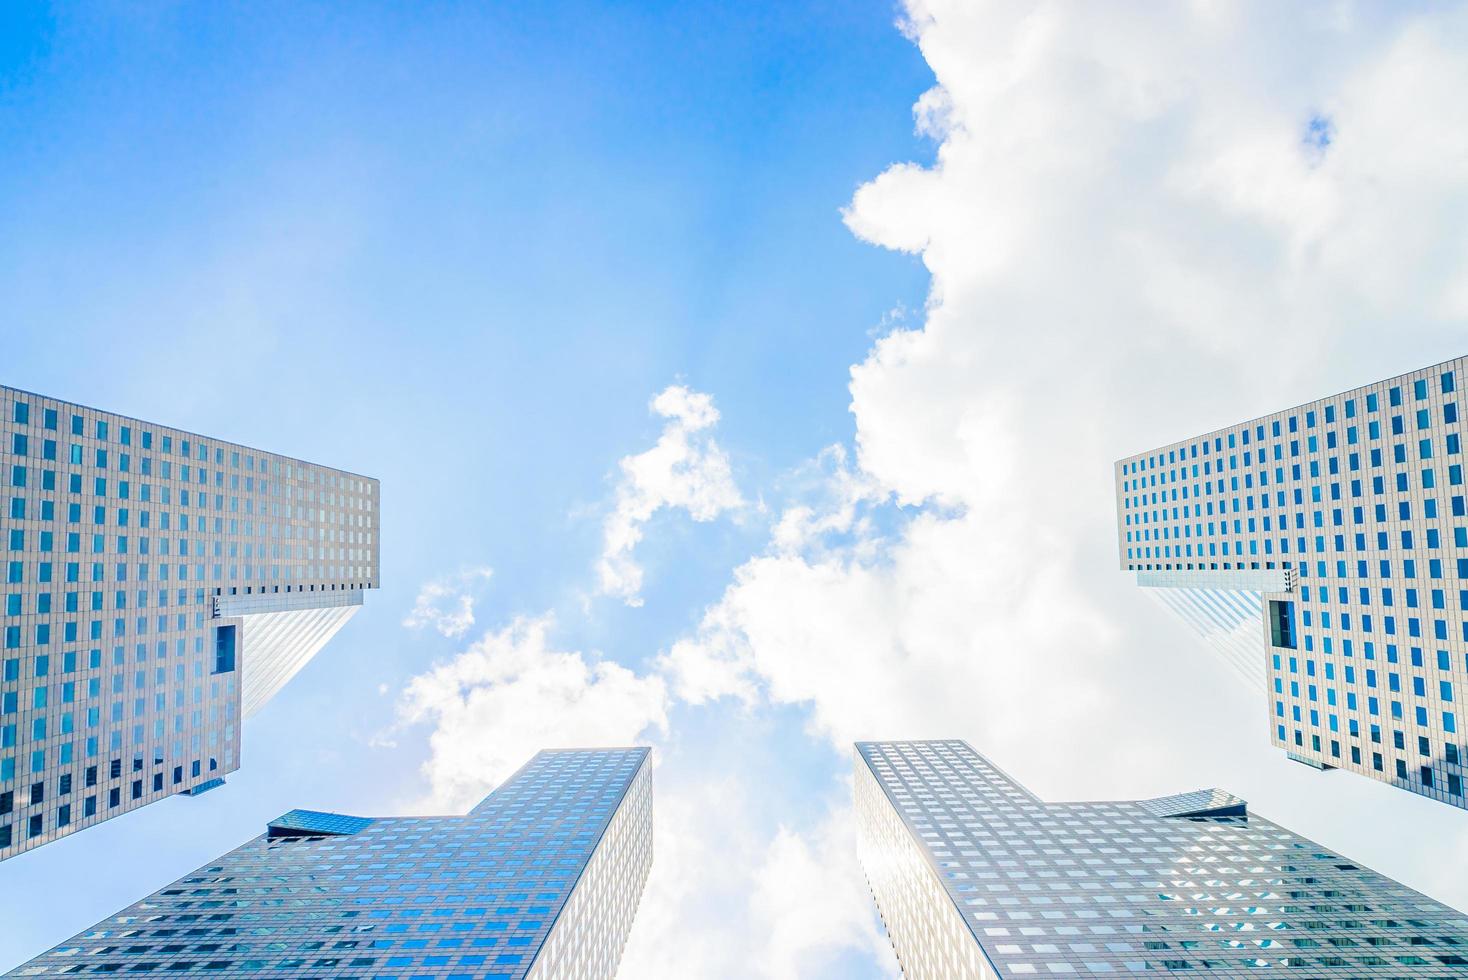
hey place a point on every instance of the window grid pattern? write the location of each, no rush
(587, 939)
(1116, 889)
(929, 935)
(449, 898)
(1358, 501)
(121, 539)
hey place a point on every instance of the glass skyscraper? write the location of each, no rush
(1343, 522)
(977, 879)
(541, 880)
(159, 586)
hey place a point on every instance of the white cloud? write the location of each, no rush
(730, 896)
(829, 500)
(686, 469)
(690, 921)
(736, 884)
(511, 694)
(1132, 238)
(810, 902)
(447, 604)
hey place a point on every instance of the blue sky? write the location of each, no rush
(459, 248)
(843, 320)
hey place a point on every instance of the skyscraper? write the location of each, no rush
(1343, 522)
(541, 880)
(975, 877)
(159, 586)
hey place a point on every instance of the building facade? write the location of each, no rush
(1344, 521)
(159, 586)
(540, 881)
(977, 879)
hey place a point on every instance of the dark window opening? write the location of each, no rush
(224, 649)
(1282, 623)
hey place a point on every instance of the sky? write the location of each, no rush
(743, 380)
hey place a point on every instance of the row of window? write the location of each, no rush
(1447, 385)
(62, 814)
(102, 429)
(103, 459)
(98, 545)
(1452, 442)
(45, 572)
(200, 500)
(1247, 502)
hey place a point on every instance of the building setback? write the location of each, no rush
(978, 879)
(159, 587)
(540, 881)
(1343, 521)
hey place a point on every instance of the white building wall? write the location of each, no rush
(588, 937)
(279, 640)
(122, 534)
(929, 936)
(1351, 513)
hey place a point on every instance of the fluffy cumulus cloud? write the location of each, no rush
(1143, 221)
(734, 893)
(446, 605)
(737, 888)
(685, 470)
(510, 694)
(811, 903)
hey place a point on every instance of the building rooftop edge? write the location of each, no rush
(188, 432)
(859, 744)
(1289, 408)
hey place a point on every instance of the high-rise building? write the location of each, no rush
(159, 586)
(978, 879)
(1343, 522)
(541, 880)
